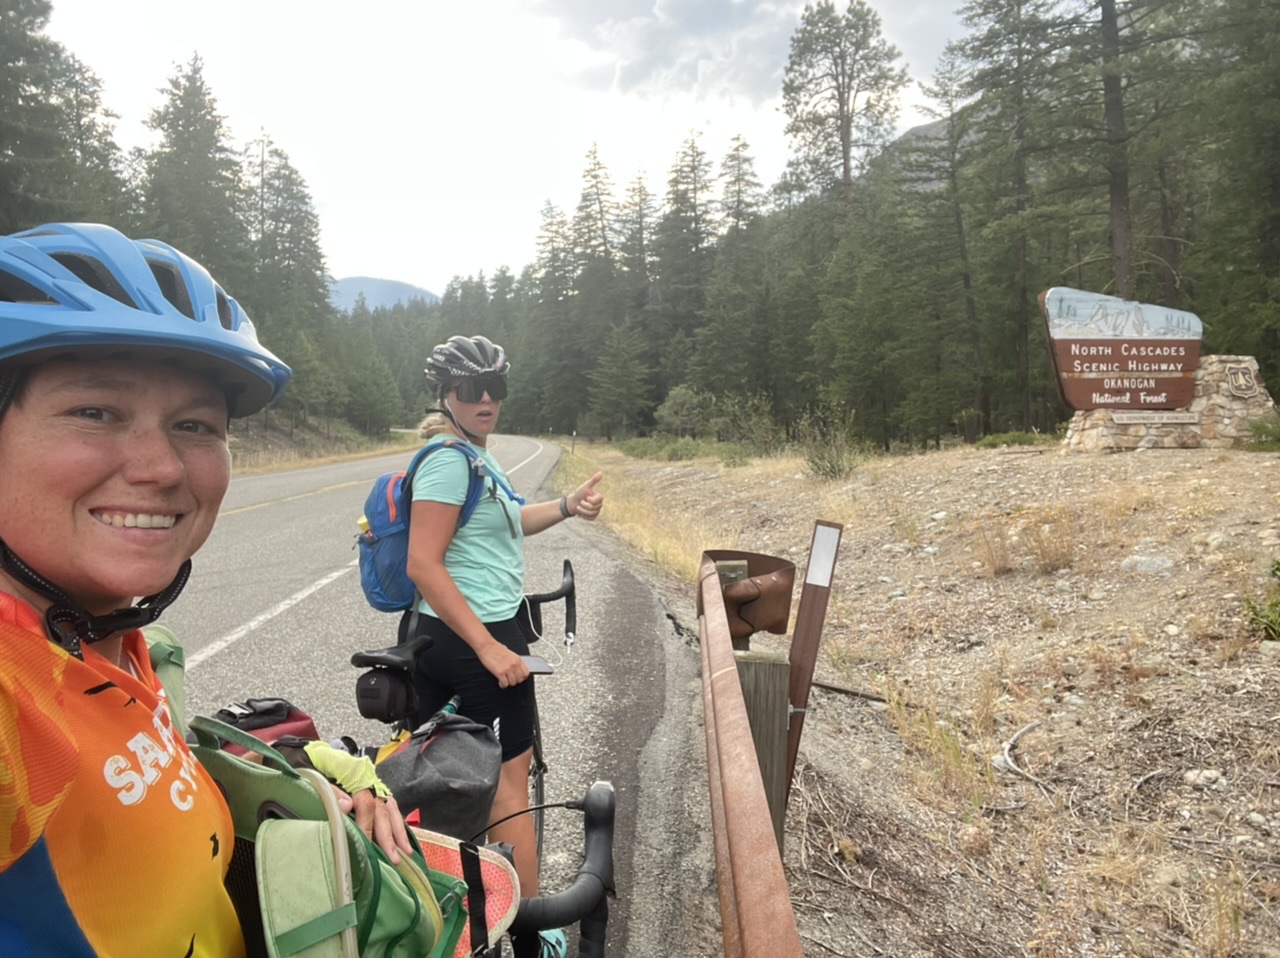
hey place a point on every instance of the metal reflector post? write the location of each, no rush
(810, 617)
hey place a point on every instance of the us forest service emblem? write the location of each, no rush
(1242, 382)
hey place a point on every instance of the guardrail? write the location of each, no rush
(755, 902)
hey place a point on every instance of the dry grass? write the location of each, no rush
(1051, 535)
(992, 545)
(982, 597)
(275, 452)
(675, 546)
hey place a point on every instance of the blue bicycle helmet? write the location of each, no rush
(81, 290)
(69, 288)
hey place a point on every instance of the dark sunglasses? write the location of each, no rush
(473, 390)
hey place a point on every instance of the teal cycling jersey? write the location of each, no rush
(486, 556)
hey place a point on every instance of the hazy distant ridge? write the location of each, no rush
(377, 292)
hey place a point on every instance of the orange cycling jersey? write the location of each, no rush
(113, 840)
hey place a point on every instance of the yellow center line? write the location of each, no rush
(301, 495)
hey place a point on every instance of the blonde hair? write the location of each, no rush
(434, 425)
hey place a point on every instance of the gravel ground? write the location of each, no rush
(1046, 727)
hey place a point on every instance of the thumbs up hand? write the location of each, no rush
(585, 501)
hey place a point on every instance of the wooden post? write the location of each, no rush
(764, 690)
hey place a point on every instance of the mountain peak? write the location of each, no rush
(343, 293)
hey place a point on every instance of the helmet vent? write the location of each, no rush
(15, 290)
(94, 275)
(173, 288)
(225, 316)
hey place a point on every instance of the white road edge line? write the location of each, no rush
(530, 459)
(218, 645)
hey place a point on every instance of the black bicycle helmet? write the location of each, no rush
(460, 358)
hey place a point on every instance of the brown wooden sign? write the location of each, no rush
(1113, 353)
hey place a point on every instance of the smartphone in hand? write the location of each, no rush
(537, 665)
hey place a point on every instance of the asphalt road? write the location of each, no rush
(274, 608)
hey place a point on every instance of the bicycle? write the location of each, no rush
(385, 693)
(530, 617)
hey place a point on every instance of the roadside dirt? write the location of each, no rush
(1049, 729)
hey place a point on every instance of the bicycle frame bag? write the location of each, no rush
(447, 769)
(305, 880)
(384, 546)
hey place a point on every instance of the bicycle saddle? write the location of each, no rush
(399, 657)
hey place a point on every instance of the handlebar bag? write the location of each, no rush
(305, 880)
(447, 769)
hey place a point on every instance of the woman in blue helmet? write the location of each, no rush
(121, 363)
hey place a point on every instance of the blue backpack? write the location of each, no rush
(384, 544)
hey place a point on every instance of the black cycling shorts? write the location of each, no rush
(449, 667)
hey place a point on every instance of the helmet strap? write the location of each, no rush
(456, 425)
(69, 625)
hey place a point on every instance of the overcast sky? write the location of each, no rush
(432, 132)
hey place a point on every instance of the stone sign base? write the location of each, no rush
(1229, 395)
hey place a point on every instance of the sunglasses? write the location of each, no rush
(473, 390)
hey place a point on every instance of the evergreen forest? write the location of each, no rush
(886, 286)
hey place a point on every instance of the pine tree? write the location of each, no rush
(934, 165)
(731, 348)
(620, 383)
(289, 271)
(593, 223)
(840, 90)
(553, 384)
(88, 177)
(599, 298)
(636, 217)
(32, 149)
(740, 194)
(683, 248)
(194, 192)
(1234, 269)
(1007, 61)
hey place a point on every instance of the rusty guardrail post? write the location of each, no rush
(755, 902)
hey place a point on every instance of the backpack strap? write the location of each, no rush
(476, 905)
(475, 478)
(168, 659)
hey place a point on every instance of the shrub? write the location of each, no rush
(828, 450)
(1264, 615)
(668, 449)
(642, 447)
(1265, 433)
(749, 422)
(681, 449)
(685, 411)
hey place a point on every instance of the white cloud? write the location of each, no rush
(432, 134)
